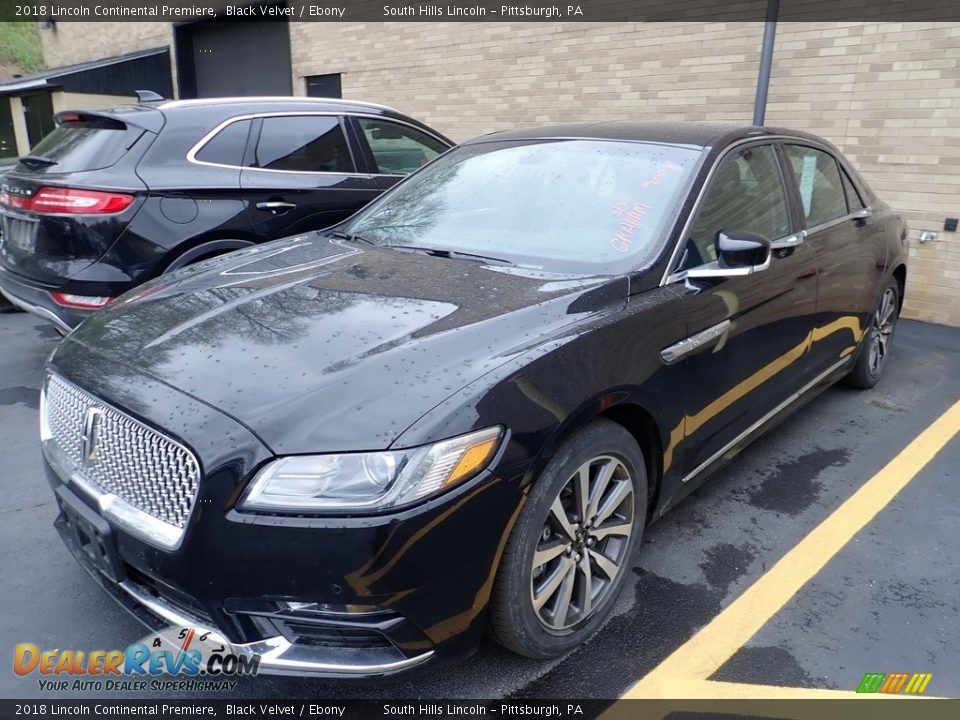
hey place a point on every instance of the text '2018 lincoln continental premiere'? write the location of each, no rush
(351, 452)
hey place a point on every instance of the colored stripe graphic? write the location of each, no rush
(894, 683)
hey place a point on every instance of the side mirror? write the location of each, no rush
(739, 248)
(738, 253)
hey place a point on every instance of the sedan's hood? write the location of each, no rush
(320, 345)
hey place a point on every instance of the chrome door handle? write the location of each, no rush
(789, 242)
(275, 206)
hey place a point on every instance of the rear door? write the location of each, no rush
(394, 149)
(850, 264)
(747, 336)
(301, 174)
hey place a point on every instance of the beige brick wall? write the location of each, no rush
(474, 78)
(887, 94)
(74, 42)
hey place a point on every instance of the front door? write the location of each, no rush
(395, 149)
(747, 336)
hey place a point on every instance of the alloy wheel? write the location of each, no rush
(881, 330)
(583, 545)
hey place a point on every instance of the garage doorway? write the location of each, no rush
(224, 58)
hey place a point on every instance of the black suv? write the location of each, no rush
(112, 198)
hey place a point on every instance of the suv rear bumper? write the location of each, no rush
(38, 302)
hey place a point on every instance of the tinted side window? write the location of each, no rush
(304, 143)
(398, 149)
(746, 193)
(227, 146)
(854, 202)
(819, 183)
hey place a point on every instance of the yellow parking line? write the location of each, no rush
(691, 664)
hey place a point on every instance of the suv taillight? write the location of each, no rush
(85, 302)
(70, 201)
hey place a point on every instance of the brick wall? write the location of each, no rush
(74, 42)
(474, 78)
(887, 94)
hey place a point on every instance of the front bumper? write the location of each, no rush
(404, 619)
(346, 597)
(278, 655)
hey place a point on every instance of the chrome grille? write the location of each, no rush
(147, 470)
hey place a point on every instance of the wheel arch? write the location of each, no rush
(635, 417)
(900, 273)
(640, 423)
(205, 249)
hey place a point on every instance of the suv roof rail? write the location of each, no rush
(272, 98)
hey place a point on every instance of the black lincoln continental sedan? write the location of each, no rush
(352, 452)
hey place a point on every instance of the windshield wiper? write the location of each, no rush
(452, 254)
(37, 161)
(340, 235)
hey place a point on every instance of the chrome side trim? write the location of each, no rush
(765, 419)
(715, 270)
(198, 146)
(686, 346)
(789, 242)
(861, 214)
(38, 311)
(278, 656)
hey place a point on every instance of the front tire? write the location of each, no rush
(872, 357)
(572, 547)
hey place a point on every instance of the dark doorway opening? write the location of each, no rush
(223, 58)
(38, 113)
(324, 86)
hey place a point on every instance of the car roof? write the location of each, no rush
(697, 134)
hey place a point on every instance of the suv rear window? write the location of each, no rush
(83, 142)
(227, 146)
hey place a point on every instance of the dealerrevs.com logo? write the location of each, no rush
(184, 653)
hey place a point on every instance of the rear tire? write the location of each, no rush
(573, 545)
(875, 348)
(8, 307)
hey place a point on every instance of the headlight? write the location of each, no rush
(369, 481)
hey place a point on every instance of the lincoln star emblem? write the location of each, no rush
(91, 426)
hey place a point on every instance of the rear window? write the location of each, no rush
(227, 146)
(84, 142)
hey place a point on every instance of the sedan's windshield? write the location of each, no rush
(580, 206)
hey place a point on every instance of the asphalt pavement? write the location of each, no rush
(886, 602)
